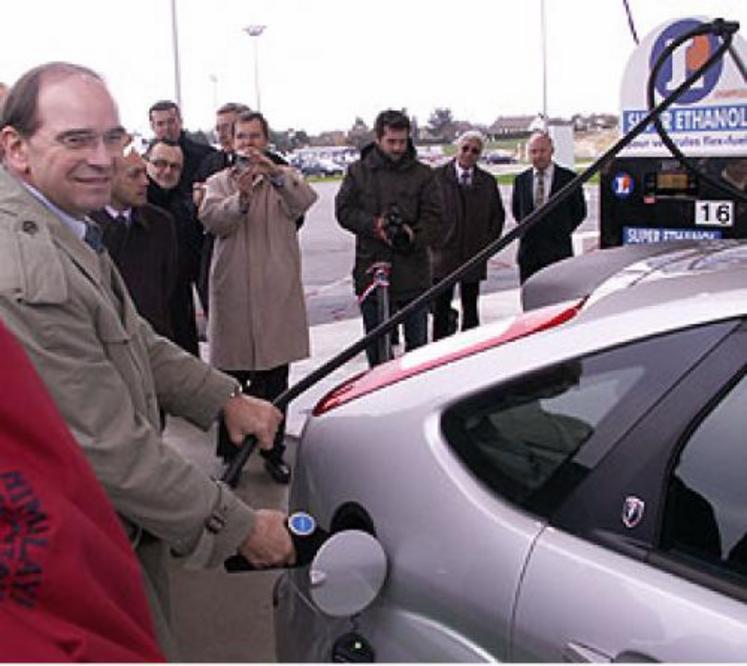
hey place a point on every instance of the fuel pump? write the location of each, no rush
(647, 194)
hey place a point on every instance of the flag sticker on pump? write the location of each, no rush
(714, 213)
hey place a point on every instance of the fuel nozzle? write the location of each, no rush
(307, 539)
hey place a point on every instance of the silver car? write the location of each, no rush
(566, 485)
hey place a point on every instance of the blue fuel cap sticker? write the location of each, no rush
(301, 524)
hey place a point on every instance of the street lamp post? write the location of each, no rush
(255, 31)
(544, 61)
(175, 46)
(214, 80)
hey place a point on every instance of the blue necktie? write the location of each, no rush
(93, 236)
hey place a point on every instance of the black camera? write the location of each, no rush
(394, 228)
(242, 162)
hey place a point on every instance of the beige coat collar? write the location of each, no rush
(17, 201)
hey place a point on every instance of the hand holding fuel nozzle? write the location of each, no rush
(276, 541)
(254, 422)
(304, 538)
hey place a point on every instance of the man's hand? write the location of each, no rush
(245, 415)
(262, 164)
(258, 165)
(380, 229)
(198, 194)
(269, 543)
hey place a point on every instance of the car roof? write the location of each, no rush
(599, 274)
(578, 276)
(674, 287)
(709, 277)
(671, 289)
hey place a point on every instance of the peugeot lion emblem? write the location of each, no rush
(632, 512)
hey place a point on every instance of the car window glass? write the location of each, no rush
(706, 510)
(515, 438)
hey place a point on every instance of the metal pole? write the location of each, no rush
(255, 31)
(214, 80)
(175, 44)
(256, 73)
(544, 61)
(381, 276)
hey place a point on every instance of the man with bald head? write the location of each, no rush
(141, 240)
(165, 161)
(107, 371)
(549, 240)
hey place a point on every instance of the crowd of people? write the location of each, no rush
(102, 250)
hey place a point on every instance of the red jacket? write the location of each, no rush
(70, 586)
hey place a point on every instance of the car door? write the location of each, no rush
(647, 561)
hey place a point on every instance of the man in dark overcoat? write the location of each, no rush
(164, 165)
(473, 217)
(141, 240)
(392, 203)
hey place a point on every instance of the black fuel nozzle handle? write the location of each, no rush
(720, 27)
(307, 539)
(233, 472)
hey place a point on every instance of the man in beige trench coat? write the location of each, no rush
(257, 324)
(106, 369)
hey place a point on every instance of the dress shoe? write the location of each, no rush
(278, 470)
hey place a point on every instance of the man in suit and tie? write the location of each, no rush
(141, 240)
(549, 240)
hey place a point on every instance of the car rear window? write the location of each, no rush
(530, 440)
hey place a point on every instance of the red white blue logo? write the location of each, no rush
(622, 185)
(632, 512)
(684, 61)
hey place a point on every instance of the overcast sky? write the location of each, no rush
(324, 62)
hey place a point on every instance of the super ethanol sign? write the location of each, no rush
(708, 119)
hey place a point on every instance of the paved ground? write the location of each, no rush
(220, 617)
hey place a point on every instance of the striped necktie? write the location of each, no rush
(539, 190)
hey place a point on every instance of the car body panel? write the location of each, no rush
(457, 514)
(577, 592)
(473, 577)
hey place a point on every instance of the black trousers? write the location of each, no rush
(468, 293)
(267, 384)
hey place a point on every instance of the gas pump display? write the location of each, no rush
(654, 199)
(646, 195)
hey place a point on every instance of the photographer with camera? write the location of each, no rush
(392, 203)
(257, 324)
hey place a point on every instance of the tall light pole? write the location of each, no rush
(255, 31)
(214, 80)
(544, 61)
(175, 45)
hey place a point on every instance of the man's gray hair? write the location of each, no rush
(471, 135)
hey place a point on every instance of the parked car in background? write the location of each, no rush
(498, 157)
(321, 167)
(565, 485)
